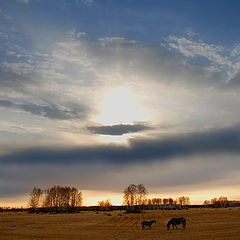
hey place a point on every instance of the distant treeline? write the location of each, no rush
(168, 201)
(59, 199)
(221, 202)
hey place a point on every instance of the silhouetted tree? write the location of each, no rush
(206, 202)
(220, 202)
(170, 201)
(135, 197)
(165, 201)
(141, 195)
(130, 196)
(223, 201)
(214, 200)
(183, 200)
(105, 204)
(56, 197)
(35, 197)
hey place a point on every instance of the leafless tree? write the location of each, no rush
(170, 201)
(57, 197)
(165, 201)
(141, 194)
(206, 202)
(134, 197)
(35, 196)
(105, 204)
(183, 200)
(220, 202)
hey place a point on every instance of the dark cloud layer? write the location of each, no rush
(119, 129)
(13, 81)
(225, 140)
(51, 112)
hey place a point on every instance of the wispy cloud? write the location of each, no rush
(88, 3)
(14, 128)
(226, 60)
(27, 1)
(49, 111)
(24, 1)
(5, 14)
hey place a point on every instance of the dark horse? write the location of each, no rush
(176, 221)
(148, 223)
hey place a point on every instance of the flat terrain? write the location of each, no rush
(201, 224)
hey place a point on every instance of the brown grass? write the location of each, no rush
(201, 224)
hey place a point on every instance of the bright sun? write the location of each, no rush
(120, 106)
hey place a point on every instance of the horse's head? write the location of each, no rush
(168, 226)
(154, 221)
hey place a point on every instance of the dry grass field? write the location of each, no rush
(201, 224)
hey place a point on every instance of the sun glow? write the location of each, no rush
(120, 106)
(91, 198)
(114, 139)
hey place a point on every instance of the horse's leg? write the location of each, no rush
(142, 227)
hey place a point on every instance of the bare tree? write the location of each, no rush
(206, 202)
(165, 201)
(187, 200)
(35, 195)
(105, 204)
(79, 199)
(183, 200)
(130, 196)
(135, 197)
(141, 194)
(220, 202)
(57, 197)
(170, 201)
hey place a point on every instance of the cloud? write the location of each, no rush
(176, 175)
(184, 162)
(14, 81)
(27, 1)
(5, 15)
(14, 128)
(52, 111)
(88, 3)
(225, 59)
(224, 140)
(118, 59)
(68, 80)
(23, 1)
(115, 40)
(118, 129)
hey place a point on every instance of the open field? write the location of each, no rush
(201, 224)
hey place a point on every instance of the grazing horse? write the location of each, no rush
(176, 221)
(148, 223)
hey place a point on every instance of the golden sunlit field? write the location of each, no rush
(201, 224)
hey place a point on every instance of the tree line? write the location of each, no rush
(55, 197)
(183, 200)
(219, 202)
(134, 198)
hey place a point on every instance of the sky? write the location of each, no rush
(99, 94)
